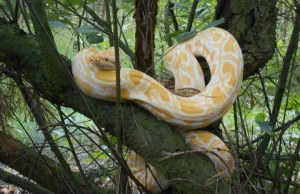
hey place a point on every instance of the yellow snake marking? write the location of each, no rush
(213, 97)
(138, 167)
(94, 74)
(216, 149)
(223, 159)
(186, 69)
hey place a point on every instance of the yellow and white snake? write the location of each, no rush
(94, 73)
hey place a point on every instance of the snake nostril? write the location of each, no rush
(106, 59)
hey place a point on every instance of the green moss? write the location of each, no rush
(237, 6)
(189, 171)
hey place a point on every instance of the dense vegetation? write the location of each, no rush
(66, 142)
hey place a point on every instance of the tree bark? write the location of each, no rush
(145, 19)
(253, 24)
(23, 183)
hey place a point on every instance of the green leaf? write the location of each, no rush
(71, 2)
(128, 7)
(67, 22)
(94, 39)
(57, 24)
(214, 23)
(178, 5)
(53, 16)
(99, 155)
(60, 12)
(280, 43)
(49, 2)
(200, 12)
(113, 140)
(185, 36)
(272, 168)
(265, 126)
(260, 117)
(234, 175)
(88, 160)
(173, 34)
(55, 136)
(294, 139)
(87, 30)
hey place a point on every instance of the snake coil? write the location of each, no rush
(94, 73)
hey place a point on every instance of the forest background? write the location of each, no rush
(67, 142)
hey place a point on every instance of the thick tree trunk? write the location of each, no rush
(145, 19)
(253, 24)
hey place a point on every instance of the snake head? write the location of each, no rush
(104, 59)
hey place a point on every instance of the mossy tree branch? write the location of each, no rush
(21, 182)
(146, 135)
(43, 170)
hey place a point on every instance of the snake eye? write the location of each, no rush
(106, 59)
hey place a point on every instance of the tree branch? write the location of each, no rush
(46, 173)
(145, 134)
(20, 182)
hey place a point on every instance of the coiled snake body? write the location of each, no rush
(92, 72)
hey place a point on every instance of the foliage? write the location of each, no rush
(244, 125)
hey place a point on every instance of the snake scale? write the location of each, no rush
(94, 73)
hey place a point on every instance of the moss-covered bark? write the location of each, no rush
(23, 183)
(18, 156)
(253, 24)
(41, 169)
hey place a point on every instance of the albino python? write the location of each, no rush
(94, 73)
